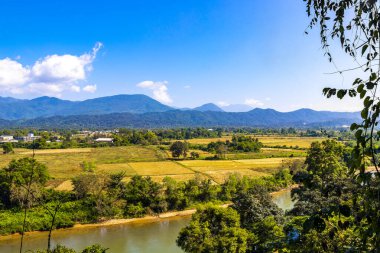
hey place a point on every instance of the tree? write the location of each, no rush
(22, 182)
(179, 148)
(194, 155)
(95, 190)
(254, 205)
(325, 180)
(213, 229)
(7, 148)
(356, 26)
(175, 194)
(143, 191)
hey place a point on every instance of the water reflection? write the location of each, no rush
(283, 199)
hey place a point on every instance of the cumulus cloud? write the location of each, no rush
(253, 102)
(12, 74)
(159, 90)
(50, 75)
(90, 88)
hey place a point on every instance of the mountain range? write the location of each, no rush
(140, 111)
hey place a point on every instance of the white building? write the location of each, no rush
(7, 138)
(29, 138)
(104, 140)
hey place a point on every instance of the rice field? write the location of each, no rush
(269, 141)
(268, 153)
(64, 164)
(159, 168)
(266, 165)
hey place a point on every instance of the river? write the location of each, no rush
(157, 236)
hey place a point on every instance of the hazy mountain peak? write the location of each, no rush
(208, 107)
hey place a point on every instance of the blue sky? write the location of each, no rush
(183, 53)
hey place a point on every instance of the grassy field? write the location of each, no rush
(269, 141)
(268, 153)
(220, 170)
(64, 164)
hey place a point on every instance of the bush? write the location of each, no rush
(135, 210)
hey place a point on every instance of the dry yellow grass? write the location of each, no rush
(208, 140)
(159, 168)
(65, 186)
(53, 151)
(66, 163)
(267, 162)
(116, 168)
(179, 178)
(302, 142)
(264, 165)
(209, 165)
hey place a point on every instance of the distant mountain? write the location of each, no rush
(210, 107)
(14, 109)
(237, 108)
(192, 118)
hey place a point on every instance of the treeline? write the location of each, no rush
(97, 197)
(186, 133)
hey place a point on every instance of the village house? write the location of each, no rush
(7, 138)
(104, 140)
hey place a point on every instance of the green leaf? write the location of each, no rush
(360, 88)
(364, 48)
(373, 77)
(358, 134)
(341, 93)
(364, 113)
(326, 91)
(354, 126)
(368, 101)
(362, 94)
(370, 85)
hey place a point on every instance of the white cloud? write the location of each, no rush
(50, 75)
(75, 88)
(12, 74)
(253, 102)
(159, 90)
(222, 103)
(90, 88)
(187, 86)
(49, 89)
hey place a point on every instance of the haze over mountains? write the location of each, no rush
(141, 111)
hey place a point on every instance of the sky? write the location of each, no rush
(182, 53)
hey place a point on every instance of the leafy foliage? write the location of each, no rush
(7, 148)
(213, 229)
(179, 148)
(355, 24)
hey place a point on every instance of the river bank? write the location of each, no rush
(113, 222)
(145, 219)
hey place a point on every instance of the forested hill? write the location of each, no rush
(17, 109)
(178, 118)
